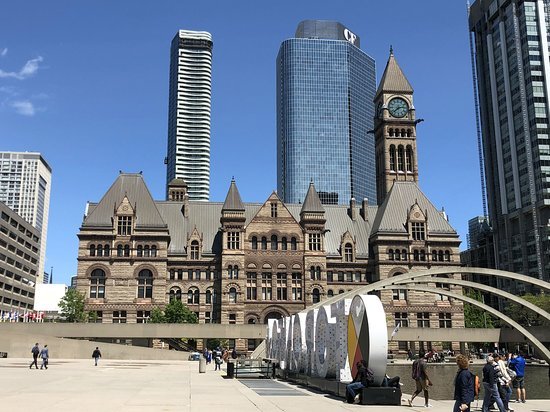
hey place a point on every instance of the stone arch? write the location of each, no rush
(273, 309)
(146, 266)
(98, 266)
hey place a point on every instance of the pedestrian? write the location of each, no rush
(35, 352)
(209, 357)
(234, 354)
(504, 382)
(420, 375)
(45, 356)
(218, 362)
(361, 380)
(464, 385)
(517, 364)
(410, 355)
(96, 354)
(490, 387)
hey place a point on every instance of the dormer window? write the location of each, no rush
(348, 252)
(418, 230)
(194, 250)
(124, 225)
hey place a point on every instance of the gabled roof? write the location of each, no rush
(312, 203)
(393, 213)
(233, 199)
(393, 80)
(134, 188)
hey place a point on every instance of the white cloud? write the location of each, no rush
(29, 69)
(24, 107)
(4, 51)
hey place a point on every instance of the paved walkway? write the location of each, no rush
(76, 385)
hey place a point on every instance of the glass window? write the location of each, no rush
(143, 316)
(418, 231)
(314, 241)
(281, 286)
(124, 225)
(254, 243)
(92, 250)
(145, 284)
(284, 244)
(194, 250)
(146, 251)
(126, 250)
(273, 242)
(139, 251)
(233, 240)
(251, 286)
(119, 316)
(106, 250)
(423, 319)
(293, 244)
(315, 295)
(97, 284)
(208, 296)
(119, 251)
(402, 319)
(273, 209)
(445, 320)
(348, 252)
(232, 295)
(264, 243)
(175, 294)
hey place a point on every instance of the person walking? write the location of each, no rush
(517, 364)
(464, 385)
(410, 355)
(420, 375)
(35, 352)
(504, 382)
(96, 354)
(218, 362)
(490, 387)
(44, 354)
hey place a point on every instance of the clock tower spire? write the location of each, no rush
(394, 130)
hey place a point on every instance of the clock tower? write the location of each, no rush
(394, 130)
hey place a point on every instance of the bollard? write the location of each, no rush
(202, 365)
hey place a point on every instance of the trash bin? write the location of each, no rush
(230, 369)
(202, 365)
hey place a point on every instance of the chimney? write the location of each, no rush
(352, 212)
(364, 209)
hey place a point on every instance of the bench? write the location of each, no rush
(380, 396)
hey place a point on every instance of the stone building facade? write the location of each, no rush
(246, 262)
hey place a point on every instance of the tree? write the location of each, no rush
(475, 317)
(526, 316)
(157, 316)
(174, 312)
(72, 306)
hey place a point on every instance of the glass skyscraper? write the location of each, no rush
(188, 156)
(512, 73)
(325, 111)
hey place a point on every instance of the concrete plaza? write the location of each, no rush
(115, 385)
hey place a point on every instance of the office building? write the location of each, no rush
(512, 76)
(188, 155)
(237, 262)
(19, 261)
(325, 90)
(25, 184)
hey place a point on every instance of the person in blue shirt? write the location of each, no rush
(517, 364)
(464, 385)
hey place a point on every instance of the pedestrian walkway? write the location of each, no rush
(77, 385)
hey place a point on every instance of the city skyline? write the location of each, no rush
(90, 132)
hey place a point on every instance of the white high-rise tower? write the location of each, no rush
(188, 156)
(25, 181)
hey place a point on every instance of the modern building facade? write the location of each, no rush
(188, 155)
(325, 90)
(19, 262)
(237, 262)
(512, 75)
(25, 185)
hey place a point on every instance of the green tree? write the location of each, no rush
(475, 317)
(157, 316)
(177, 312)
(72, 306)
(526, 316)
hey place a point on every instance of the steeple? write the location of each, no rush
(312, 203)
(233, 200)
(393, 80)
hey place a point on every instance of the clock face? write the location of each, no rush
(398, 107)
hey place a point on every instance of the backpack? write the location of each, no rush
(477, 384)
(512, 373)
(416, 370)
(35, 350)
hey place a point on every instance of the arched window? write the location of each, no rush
(312, 273)
(139, 251)
(404, 255)
(391, 132)
(126, 250)
(230, 271)
(341, 291)
(391, 255)
(318, 272)
(399, 294)
(175, 294)
(264, 243)
(434, 255)
(447, 256)
(440, 256)
(315, 295)
(92, 250)
(416, 255)
(208, 296)
(146, 251)
(196, 297)
(97, 284)
(403, 132)
(400, 158)
(284, 244)
(232, 295)
(100, 250)
(348, 252)
(254, 243)
(153, 251)
(119, 250)
(106, 250)
(422, 255)
(194, 250)
(396, 132)
(409, 133)
(293, 243)
(392, 158)
(273, 242)
(145, 284)
(409, 159)
(330, 293)
(397, 254)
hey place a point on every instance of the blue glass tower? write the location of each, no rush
(325, 90)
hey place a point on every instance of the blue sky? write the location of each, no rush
(86, 84)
